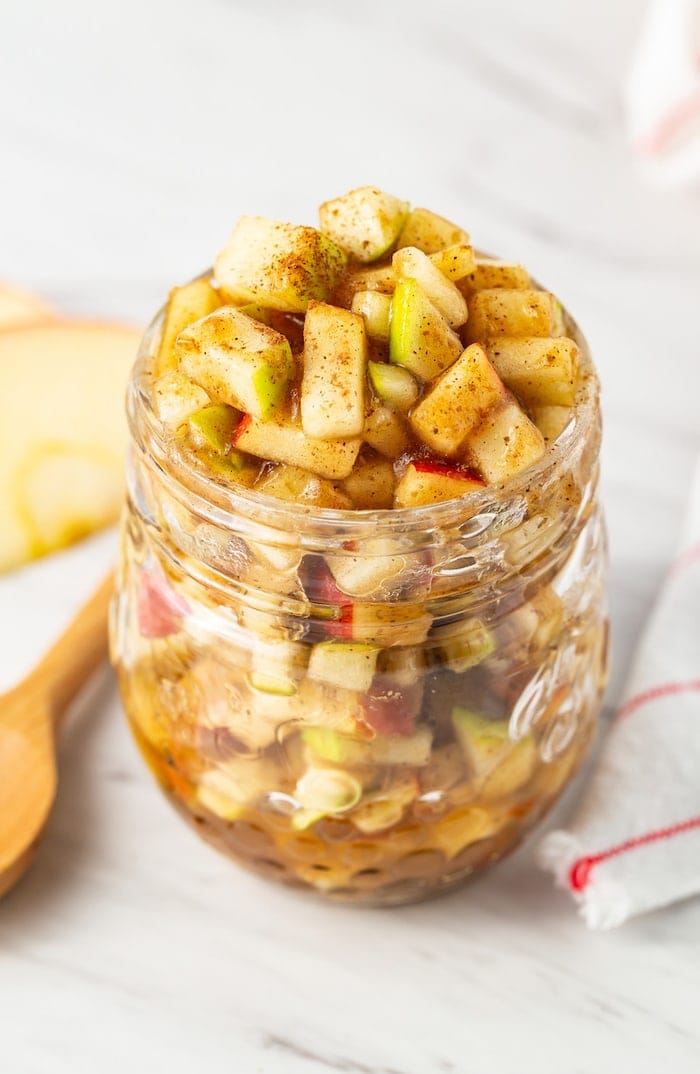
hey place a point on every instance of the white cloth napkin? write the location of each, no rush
(662, 93)
(634, 843)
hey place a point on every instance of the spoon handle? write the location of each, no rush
(78, 651)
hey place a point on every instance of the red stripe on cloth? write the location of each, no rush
(654, 692)
(659, 138)
(691, 555)
(580, 871)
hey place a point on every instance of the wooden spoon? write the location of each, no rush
(29, 716)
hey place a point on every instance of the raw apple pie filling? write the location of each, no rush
(361, 627)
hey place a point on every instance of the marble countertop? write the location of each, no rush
(133, 134)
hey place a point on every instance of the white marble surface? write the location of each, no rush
(132, 136)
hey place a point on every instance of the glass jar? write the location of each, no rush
(371, 704)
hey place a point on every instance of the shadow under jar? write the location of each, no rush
(373, 705)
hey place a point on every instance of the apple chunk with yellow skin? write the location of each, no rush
(21, 307)
(185, 305)
(281, 266)
(238, 360)
(62, 435)
(457, 402)
(335, 365)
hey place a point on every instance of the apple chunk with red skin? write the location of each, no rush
(426, 481)
(391, 709)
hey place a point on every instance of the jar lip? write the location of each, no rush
(218, 501)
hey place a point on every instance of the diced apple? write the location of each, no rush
(335, 365)
(385, 431)
(498, 763)
(276, 549)
(504, 444)
(62, 433)
(388, 624)
(329, 745)
(328, 790)
(383, 808)
(488, 273)
(21, 307)
(391, 709)
(457, 402)
(279, 265)
(455, 262)
(347, 664)
(160, 610)
(186, 304)
(405, 664)
(283, 440)
(370, 485)
(430, 232)
(551, 420)
(431, 482)
(506, 312)
(299, 486)
(393, 384)
(175, 397)
(366, 221)
(213, 427)
(378, 566)
(277, 667)
(233, 784)
(540, 372)
(380, 280)
(231, 466)
(237, 360)
(375, 309)
(464, 644)
(413, 264)
(420, 338)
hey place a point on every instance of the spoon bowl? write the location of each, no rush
(29, 716)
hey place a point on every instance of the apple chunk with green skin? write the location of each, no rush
(213, 427)
(281, 266)
(393, 384)
(347, 664)
(367, 222)
(457, 402)
(330, 745)
(420, 338)
(505, 444)
(500, 764)
(430, 233)
(432, 482)
(237, 360)
(541, 372)
(335, 364)
(283, 440)
(413, 264)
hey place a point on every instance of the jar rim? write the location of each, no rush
(219, 502)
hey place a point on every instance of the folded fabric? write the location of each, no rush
(662, 94)
(634, 843)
